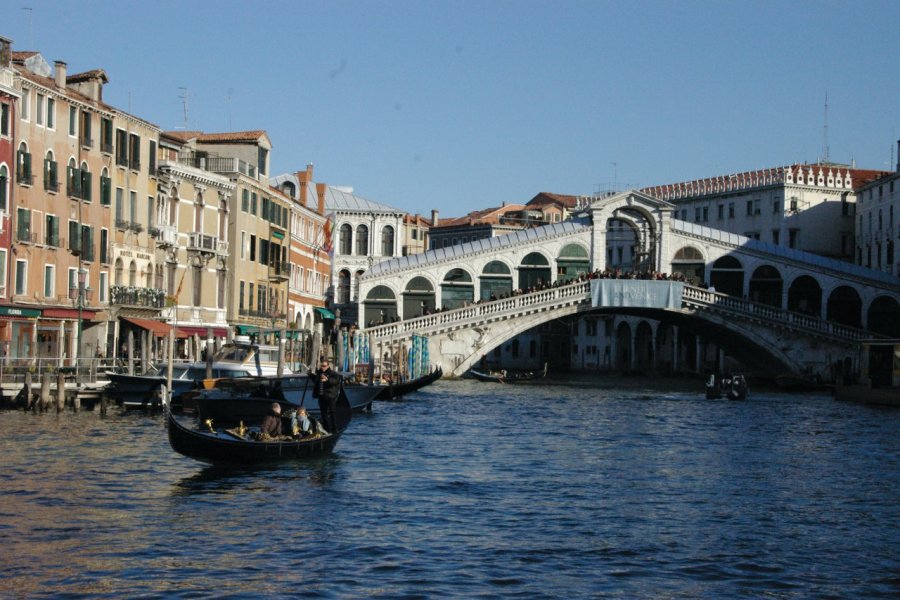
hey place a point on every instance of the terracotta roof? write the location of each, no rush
(22, 55)
(184, 136)
(417, 220)
(233, 136)
(759, 178)
(549, 197)
(87, 76)
(485, 216)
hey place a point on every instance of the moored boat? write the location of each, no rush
(505, 376)
(396, 390)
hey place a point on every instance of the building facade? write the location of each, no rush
(878, 223)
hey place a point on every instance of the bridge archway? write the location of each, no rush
(457, 289)
(643, 346)
(805, 296)
(689, 262)
(665, 336)
(380, 305)
(572, 262)
(534, 270)
(418, 297)
(495, 280)
(727, 276)
(845, 306)
(766, 286)
(622, 359)
(883, 316)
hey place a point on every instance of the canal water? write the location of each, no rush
(620, 488)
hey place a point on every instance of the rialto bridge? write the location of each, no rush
(742, 298)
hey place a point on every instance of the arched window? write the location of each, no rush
(343, 291)
(387, 241)
(84, 176)
(345, 239)
(132, 274)
(51, 177)
(362, 240)
(119, 272)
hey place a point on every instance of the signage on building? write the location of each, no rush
(10, 311)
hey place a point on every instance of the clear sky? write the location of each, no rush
(460, 105)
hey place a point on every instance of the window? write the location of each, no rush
(23, 225)
(362, 240)
(696, 213)
(85, 176)
(26, 105)
(721, 211)
(387, 241)
(105, 188)
(152, 157)
(134, 152)
(220, 289)
(198, 285)
(3, 272)
(793, 238)
(51, 178)
(253, 204)
(705, 213)
(731, 210)
(252, 247)
(87, 243)
(120, 217)
(39, 112)
(87, 140)
(51, 231)
(749, 207)
(74, 237)
(73, 121)
(73, 179)
(106, 135)
(4, 119)
(241, 296)
(73, 282)
(23, 166)
(245, 200)
(243, 243)
(49, 279)
(21, 276)
(776, 236)
(4, 189)
(104, 286)
(51, 113)
(776, 207)
(132, 206)
(104, 246)
(262, 157)
(121, 147)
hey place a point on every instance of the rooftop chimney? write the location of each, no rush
(5, 52)
(434, 218)
(303, 183)
(320, 192)
(60, 73)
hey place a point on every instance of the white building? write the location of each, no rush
(878, 223)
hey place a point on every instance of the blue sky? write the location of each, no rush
(461, 105)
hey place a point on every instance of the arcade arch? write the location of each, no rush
(457, 289)
(380, 306)
(495, 280)
(418, 297)
(572, 262)
(534, 270)
(727, 276)
(805, 296)
(766, 286)
(689, 262)
(844, 306)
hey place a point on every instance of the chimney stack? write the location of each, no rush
(5, 52)
(434, 218)
(60, 73)
(320, 191)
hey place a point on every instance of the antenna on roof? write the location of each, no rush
(825, 136)
(184, 104)
(27, 10)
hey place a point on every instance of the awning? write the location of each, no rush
(157, 328)
(326, 314)
(69, 313)
(247, 329)
(189, 331)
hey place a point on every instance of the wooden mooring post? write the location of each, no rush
(60, 391)
(45, 391)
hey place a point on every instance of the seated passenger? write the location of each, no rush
(301, 424)
(271, 425)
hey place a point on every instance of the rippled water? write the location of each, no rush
(610, 489)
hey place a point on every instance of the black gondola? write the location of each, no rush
(731, 387)
(394, 391)
(509, 377)
(218, 445)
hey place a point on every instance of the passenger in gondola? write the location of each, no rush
(271, 425)
(301, 424)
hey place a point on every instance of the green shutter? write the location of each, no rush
(74, 238)
(86, 185)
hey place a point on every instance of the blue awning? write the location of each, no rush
(326, 314)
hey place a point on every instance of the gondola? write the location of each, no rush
(509, 377)
(395, 391)
(731, 387)
(215, 444)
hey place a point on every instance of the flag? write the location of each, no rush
(328, 237)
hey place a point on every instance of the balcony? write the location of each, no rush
(280, 271)
(166, 236)
(87, 142)
(26, 237)
(202, 242)
(122, 295)
(217, 164)
(106, 147)
(24, 178)
(129, 225)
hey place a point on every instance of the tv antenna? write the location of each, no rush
(184, 104)
(825, 133)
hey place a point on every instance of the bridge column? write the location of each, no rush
(674, 348)
(598, 239)
(697, 361)
(633, 351)
(720, 360)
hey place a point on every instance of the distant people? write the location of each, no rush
(271, 425)
(328, 386)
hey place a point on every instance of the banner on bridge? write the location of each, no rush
(647, 293)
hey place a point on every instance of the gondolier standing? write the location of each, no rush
(328, 386)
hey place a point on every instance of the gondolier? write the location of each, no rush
(328, 386)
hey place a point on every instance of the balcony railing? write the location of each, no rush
(24, 178)
(280, 271)
(87, 142)
(261, 314)
(217, 164)
(134, 296)
(26, 237)
(201, 242)
(106, 147)
(167, 235)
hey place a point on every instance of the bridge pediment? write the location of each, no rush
(631, 201)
